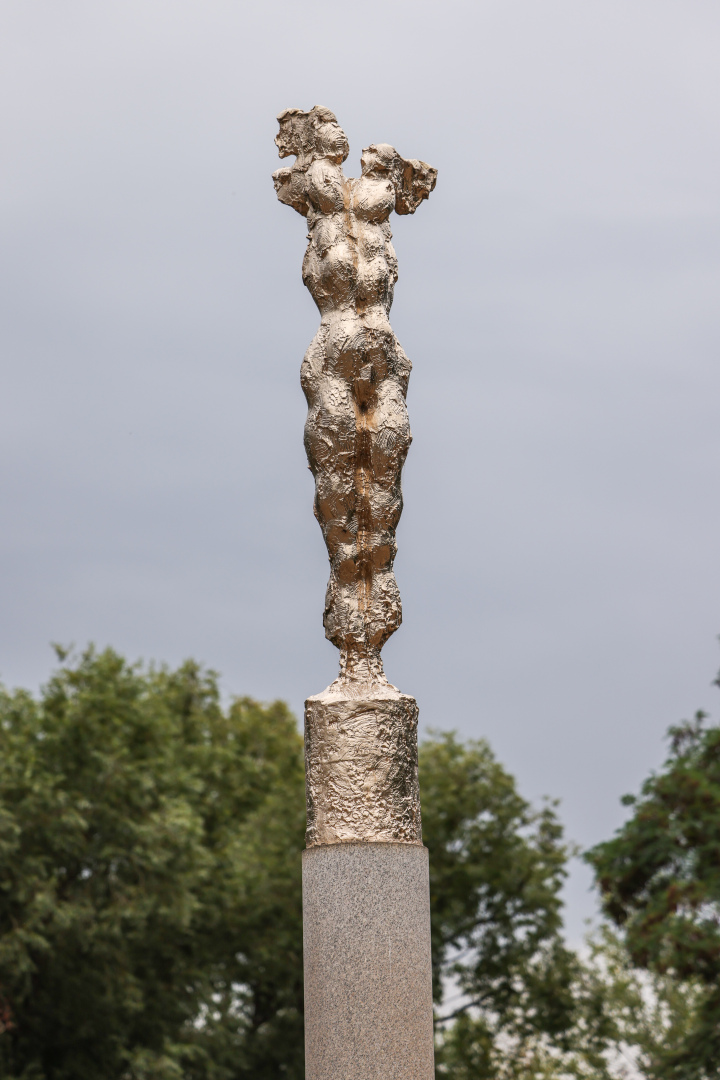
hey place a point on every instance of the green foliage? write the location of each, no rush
(150, 916)
(496, 869)
(623, 1020)
(149, 879)
(660, 880)
(525, 1005)
(642, 1016)
(150, 910)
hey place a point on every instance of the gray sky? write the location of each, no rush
(558, 295)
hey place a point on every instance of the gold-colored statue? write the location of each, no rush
(361, 741)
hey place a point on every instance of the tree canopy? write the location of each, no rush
(150, 913)
(150, 909)
(496, 870)
(660, 881)
(150, 897)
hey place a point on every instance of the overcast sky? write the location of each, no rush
(558, 296)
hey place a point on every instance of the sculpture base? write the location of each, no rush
(368, 981)
(361, 766)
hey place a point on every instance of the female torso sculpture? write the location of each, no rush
(354, 375)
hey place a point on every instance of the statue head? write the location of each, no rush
(413, 180)
(311, 135)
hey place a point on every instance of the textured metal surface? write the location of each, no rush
(361, 769)
(361, 762)
(355, 373)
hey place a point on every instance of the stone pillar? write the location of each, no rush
(366, 903)
(366, 939)
(366, 895)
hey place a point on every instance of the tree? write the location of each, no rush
(496, 870)
(150, 909)
(623, 1018)
(660, 881)
(149, 879)
(641, 1016)
(513, 1001)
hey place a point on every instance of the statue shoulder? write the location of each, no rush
(290, 189)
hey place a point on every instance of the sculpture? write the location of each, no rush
(361, 732)
(366, 898)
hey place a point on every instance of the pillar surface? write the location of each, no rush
(368, 988)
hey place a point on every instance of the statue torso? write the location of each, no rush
(350, 262)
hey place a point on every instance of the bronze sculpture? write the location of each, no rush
(357, 435)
